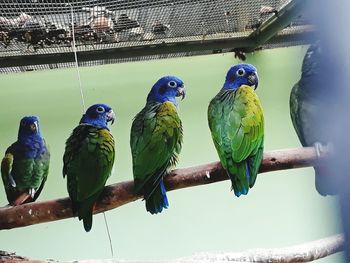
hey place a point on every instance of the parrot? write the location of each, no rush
(309, 114)
(236, 123)
(25, 167)
(88, 160)
(156, 141)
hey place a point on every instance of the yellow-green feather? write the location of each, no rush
(27, 173)
(155, 140)
(236, 122)
(88, 162)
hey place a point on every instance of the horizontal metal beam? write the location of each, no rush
(148, 50)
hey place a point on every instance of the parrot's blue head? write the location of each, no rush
(29, 127)
(241, 74)
(98, 115)
(167, 89)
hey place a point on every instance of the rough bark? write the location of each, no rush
(122, 193)
(300, 253)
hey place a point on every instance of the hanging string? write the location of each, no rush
(109, 235)
(76, 57)
(83, 104)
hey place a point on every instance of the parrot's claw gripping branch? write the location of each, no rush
(122, 193)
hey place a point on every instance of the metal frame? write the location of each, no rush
(270, 31)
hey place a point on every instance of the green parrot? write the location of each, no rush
(155, 140)
(25, 167)
(88, 160)
(310, 99)
(236, 122)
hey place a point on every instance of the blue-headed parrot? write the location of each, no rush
(236, 122)
(25, 167)
(155, 140)
(309, 101)
(88, 160)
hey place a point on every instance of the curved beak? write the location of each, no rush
(253, 80)
(110, 116)
(181, 92)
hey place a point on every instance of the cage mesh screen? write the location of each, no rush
(46, 27)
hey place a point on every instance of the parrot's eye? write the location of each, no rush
(23, 123)
(172, 84)
(240, 72)
(100, 109)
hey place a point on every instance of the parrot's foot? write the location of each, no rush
(32, 192)
(12, 181)
(320, 149)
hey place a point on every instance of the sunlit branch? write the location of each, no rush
(119, 194)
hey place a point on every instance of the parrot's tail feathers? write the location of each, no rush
(157, 200)
(85, 210)
(324, 181)
(240, 175)
(239, 188)
(87, 220)
(85, 214)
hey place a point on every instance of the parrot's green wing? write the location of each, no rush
(306, 113)
(88, 162)
(41, 169)
(21, 174)
(310, 116)
(7, 179)
(156, 137)
(236, 122)
(299, 120)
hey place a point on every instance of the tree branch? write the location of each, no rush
(300, 253)
(119, 194)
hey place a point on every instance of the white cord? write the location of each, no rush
(84, 109)
(76, 58)
(109, 235)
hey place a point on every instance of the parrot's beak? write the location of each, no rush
(181, 92)
(253, 80)
(110, 116)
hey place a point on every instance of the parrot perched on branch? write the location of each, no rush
(88, 160)
(309, 102)
(155, 140)
(236, 122)
(25, 167)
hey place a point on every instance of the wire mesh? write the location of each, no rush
(36, 27)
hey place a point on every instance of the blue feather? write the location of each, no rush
(165, 199)
(30, 143)
(98, 115)
(165, 89)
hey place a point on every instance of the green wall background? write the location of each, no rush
(282, 209)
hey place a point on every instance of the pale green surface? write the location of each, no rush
(282, 209)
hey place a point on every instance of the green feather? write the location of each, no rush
(310, 115)
(27, 172)
(236, 122)
(155, 140)
(88, 162)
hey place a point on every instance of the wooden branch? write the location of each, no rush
(122, 193)
(300, 253)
